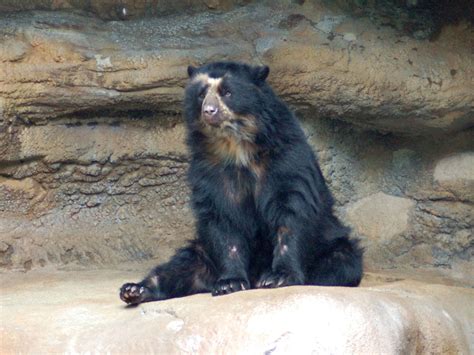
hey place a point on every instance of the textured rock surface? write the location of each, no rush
(456, 174)
(96, 194)
(380, 216)
(429, 226)
(101, 194)
(324, 63)
(80, 312)
(123, 9)
(92, 157)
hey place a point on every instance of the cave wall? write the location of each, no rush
(120, 10)
(92, 154)
(94, 193)
(409, 199)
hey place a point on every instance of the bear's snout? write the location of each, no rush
(211, 115)
(210, 111)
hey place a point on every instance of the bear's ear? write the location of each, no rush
(191, 70)
(261, 73)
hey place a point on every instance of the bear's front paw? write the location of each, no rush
(226, 286)
(132, 293)
(278, 279)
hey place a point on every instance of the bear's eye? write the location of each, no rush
(202, 93)
(226, 93)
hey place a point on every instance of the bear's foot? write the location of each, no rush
(226, 286)
(132, 293)
(278, 279)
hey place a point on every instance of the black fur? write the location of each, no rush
(268, 223)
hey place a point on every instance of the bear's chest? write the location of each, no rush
(228, 150)
(239, 186)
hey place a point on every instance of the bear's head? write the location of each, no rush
(226, 111)
(223, 98)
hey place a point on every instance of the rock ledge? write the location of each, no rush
(80, 312)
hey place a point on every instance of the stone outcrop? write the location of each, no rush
(94, 194)
(386, 188)
(324, 63)
(80, 312)
(92, 154)
(382, 219)
(380, 216)
(456, 174)
(120, 10)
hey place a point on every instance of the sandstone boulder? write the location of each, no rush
(122, 10)
(80, 312)
(381, 219)
(456, 174)
(324, 63)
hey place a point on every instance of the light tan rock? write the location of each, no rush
(380, 221)
(455, 173)
(65, 64)
(81, 312)
(94, 194)
(20, 196)
(380, 217)
(101, 143)
(123, 10)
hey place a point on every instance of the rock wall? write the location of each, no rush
(92, 158)
(94, 193)
(410, 199)
(120, 10)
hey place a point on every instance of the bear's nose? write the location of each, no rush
(210, 110)
(210, 115)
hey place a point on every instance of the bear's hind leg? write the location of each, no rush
(188, 272)
(342, 266)
(286, 268)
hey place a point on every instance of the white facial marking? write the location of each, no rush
(214, 81)
(205, 79)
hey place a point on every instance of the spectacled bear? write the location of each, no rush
(263, 211)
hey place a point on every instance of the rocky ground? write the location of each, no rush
(80, 312)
